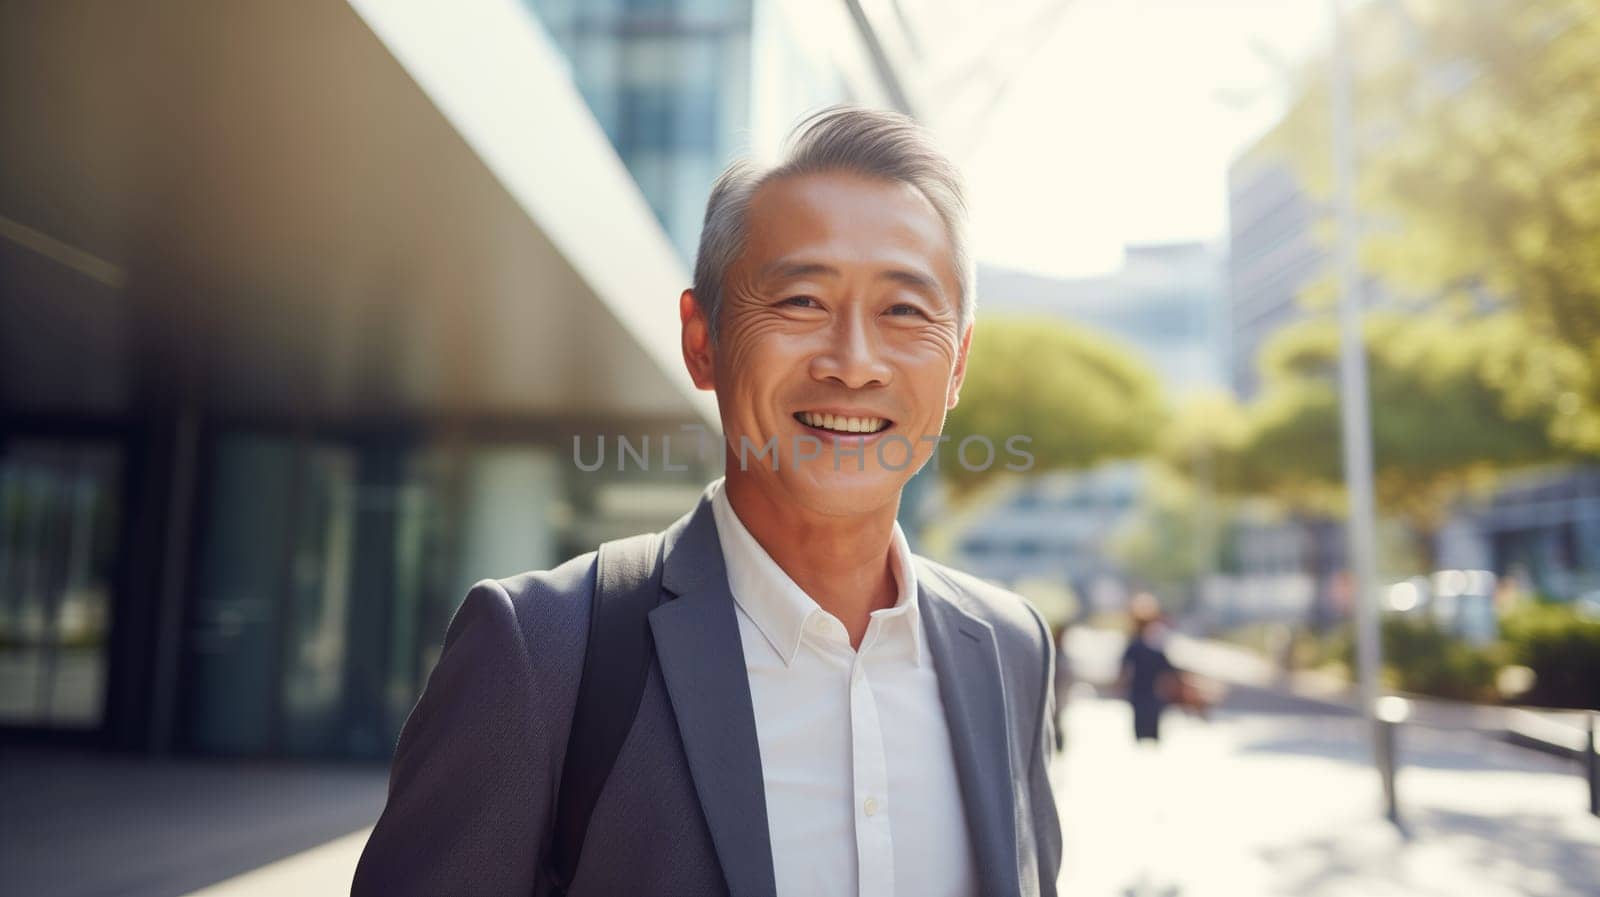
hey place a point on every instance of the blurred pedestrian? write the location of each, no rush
(1148, 679)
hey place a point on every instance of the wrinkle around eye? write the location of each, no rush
(933, 335)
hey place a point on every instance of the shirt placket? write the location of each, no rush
(874, 841)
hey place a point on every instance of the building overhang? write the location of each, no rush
(308, 209)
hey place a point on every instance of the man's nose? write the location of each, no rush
(854, 355)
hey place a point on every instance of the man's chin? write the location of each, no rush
(845, 492)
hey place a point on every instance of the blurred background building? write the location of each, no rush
(1056, 528)
(1273, 254)
(1165, 301)
(681, 88)
(306, 310)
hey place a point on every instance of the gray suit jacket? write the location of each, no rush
(472, 789)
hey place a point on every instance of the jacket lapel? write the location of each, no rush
(702, 663)
(967, 661)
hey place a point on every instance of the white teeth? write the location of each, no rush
(842, 424)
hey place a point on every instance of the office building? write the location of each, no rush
(1274, 253)
(681, 87)
(309, 312)
(1058, 528)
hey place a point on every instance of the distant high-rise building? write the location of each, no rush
(1165, 301)
(1055, 526)
(680, 88)
(1273, 254)
(1278, 232)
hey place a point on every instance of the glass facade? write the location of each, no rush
(681, 87)
(807, 56)
(282, 586)
(330, 568)
(60, 511)
(237, 612)
(668, 82)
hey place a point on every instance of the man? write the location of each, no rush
(824, 713)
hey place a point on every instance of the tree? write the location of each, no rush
(1079, 396)
(1440, 423)
(1173, 538)
(1207, 439)
(1480, 178)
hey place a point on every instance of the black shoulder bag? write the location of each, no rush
(616, 662)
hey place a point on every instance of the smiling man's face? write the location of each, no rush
(839, 341)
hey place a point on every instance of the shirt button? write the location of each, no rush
(870, 806)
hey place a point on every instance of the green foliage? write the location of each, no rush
(1538, 377)
(1081, 396)
(1421, 657)
(1330, 651)
(1206, 439)
(1172, 538)
(1440, 424)
(1479, 166)
(1562, 649)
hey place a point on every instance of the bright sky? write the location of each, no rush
(1121, 127)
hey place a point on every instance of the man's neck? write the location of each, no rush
(845, 563)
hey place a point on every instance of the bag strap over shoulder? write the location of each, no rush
(615, 665)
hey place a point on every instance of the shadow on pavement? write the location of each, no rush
(83, 824)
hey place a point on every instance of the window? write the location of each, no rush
(60, 506)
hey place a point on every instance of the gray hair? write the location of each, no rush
(870, 142)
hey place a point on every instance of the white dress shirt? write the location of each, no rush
(862, 796)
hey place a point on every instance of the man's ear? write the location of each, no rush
(959, 376)
(697, 355)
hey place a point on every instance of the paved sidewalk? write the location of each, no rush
(85, 824)
(324, 869)
(1257, 804)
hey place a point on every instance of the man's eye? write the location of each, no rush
(802, 302)
(904, 309)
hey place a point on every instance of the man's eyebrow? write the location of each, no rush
(914, 279)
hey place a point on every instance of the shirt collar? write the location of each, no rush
(779, 608)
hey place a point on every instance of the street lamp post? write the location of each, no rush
(1355, 414)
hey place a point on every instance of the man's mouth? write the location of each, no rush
(843, 424)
